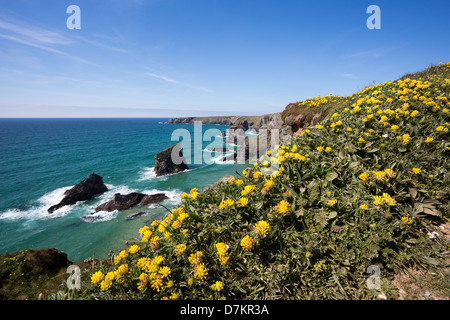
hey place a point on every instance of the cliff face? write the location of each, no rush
(225, 120)
(268, 121)
(274, 121)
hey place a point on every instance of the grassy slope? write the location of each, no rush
(344, 198)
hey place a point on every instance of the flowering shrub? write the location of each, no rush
(366, 186)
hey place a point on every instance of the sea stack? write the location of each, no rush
(170, 161)
(123, 202)
(83, 191)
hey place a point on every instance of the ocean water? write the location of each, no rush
(41, 158)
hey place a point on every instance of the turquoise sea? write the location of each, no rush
(41, 158)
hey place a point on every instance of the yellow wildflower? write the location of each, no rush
(97, 277)
(134, 249)
(107, 282)
(222, 250)
(164, 272)
(196, 258)
(416, 170)
(261, 228)
(217, 286)
(283, 207)
(157, 282)
(143, 230)
(200, 272)
(364, 177)
(155, 223)
(242, 202)
(226, 204)
(390, 173)
(247, 243)
(406, 138)
(143, 278)
(248, 189)
(406, 220)
(378, 201)
(380, 176)
(180, 249)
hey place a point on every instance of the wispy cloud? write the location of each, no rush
(371, 54)
(158, 76)
(32, 33)
(167, 79)
(350, 76)
(36, 37)
(101, 44)
(46, 48)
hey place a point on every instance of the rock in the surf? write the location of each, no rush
(83, 191)
(122, 202)
(170, 161)
(152, 198)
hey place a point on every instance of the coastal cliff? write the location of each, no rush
(351, 193)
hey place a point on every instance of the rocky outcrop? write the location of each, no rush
(170, 161)
(241, 125)
(220, 150)
(122, 202)
(152, 198)
(223, 120)
(224, 179)
(83, 191)
(135, 216)
(274, 121)
(181, 120)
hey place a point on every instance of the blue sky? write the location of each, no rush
(159, 58)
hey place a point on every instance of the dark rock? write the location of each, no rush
(221, 150)
(135, 216)
(170, 161)
(181, 120)
(240, 125)
(152, 198)
(121, 202)
(83, 191)
(41, 261)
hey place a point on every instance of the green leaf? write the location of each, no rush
(331, 175)
(332, 214)
(413, 192)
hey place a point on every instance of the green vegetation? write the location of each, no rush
(367, 186)
(27, 273)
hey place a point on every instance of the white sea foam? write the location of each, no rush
(100, 216)
(39, 211)
(174, 196)
(147, 174)
(112, 190)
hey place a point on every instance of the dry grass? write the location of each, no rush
(415, 284)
